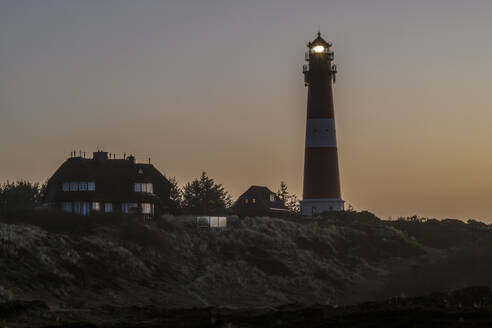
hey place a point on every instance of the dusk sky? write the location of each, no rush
(218, 86)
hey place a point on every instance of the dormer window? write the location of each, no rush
(143, 187)
(272, 197)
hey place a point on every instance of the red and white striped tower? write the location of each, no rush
(321, 176)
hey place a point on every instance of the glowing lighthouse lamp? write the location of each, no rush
(318, 49)
(321, 188)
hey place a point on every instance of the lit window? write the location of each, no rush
(96, 206)
(246, 201)
(67, 207)
(272, 197)
(214, 222)
(108, 207)
(144, 187)
(86, 209)
(91, 186)
(66, 186)
(146, 208)
(217, 221)
(74, 186)
(82, 186)
(254, 200)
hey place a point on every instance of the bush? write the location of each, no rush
(56, 221)
(175, 223)
(145, 235)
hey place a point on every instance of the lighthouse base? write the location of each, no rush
(314, 206)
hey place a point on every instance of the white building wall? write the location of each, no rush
(311, 207)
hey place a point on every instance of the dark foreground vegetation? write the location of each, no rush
(468, 307)
(118, 271)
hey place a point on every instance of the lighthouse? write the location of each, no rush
(321, 188)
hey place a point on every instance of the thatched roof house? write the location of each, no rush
(82, 186)
(259, 201)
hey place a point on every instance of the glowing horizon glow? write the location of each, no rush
(318, 49)
(161, 79)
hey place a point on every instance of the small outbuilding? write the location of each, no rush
(259, 201)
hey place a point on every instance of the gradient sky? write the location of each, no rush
(218, 86)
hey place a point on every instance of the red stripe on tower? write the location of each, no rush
(321, 191)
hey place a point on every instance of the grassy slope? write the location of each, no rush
(77, 263)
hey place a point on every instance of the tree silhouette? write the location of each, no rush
(20, 195)
(204, 196)
(283, 193)
(290, 200)
(175, 193)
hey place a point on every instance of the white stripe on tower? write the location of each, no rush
(320, 132)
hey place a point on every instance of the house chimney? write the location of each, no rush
(100, 156)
